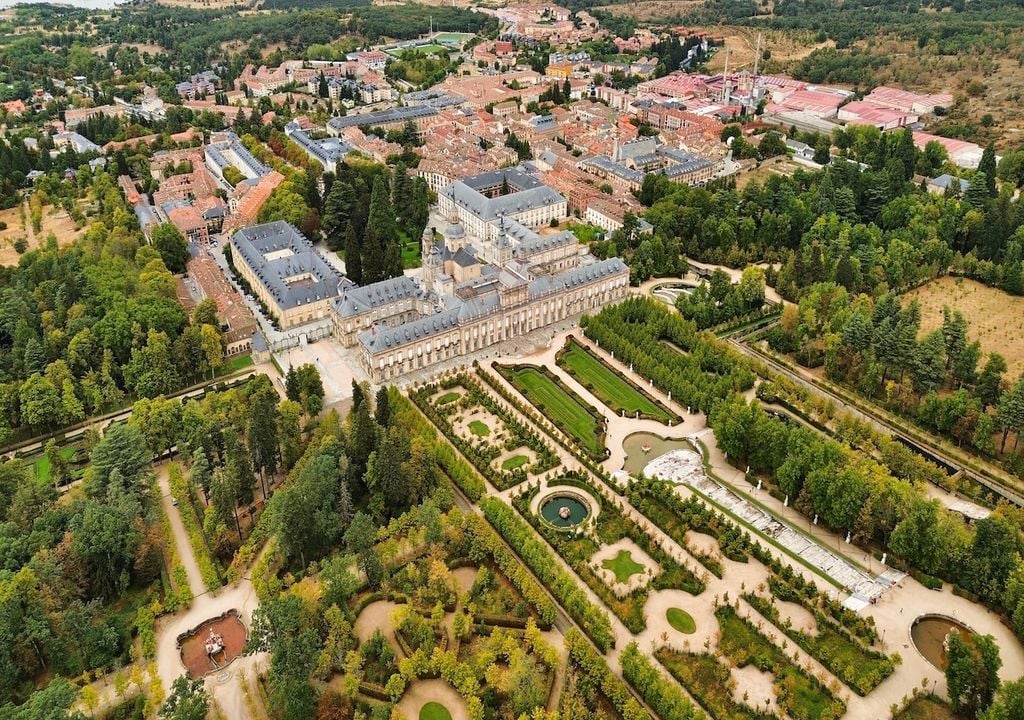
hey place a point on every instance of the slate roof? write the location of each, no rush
(256, 242)
(358, 300)
(460, 311)
(487, 209)
(382, 117)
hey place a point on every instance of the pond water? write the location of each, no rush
(636, 444)
(929, 636)
(558, 505)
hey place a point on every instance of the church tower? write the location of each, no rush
(502, 245)
(431, 260)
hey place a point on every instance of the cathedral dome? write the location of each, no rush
(455, 231)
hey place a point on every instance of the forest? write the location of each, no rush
(84, 327)
(870, 230)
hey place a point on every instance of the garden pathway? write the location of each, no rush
(225, 686)
(892, 622)
(181, 540)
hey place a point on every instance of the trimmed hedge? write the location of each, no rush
(204, 559)
(487, 542)
(594, 667)
(539, 559)
(862, 669)
(663, 696)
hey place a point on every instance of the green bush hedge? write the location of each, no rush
(544, 565)
(204, 559)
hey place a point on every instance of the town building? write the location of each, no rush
(326, 151)
(292, 280)
(480, 201)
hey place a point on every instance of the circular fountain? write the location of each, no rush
(930, 634)
(564, 508)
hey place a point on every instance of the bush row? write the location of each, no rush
(539, 559)
(667, 700)
(186, 510)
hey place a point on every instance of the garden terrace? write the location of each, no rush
(861, 668)
(553, 398)
(706, 370)
(536, 555)
(674, 516)
(708, 681)
(802, 696)
(620, 394)
(502, 390)
(483, 449)
(609, 526)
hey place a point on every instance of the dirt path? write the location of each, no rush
(181, 539)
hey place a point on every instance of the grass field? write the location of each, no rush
(559, 405)
(927, 708)
(613, 390)
(623, 565)
(239, 362)
(516, 461)
(434, 711)
(681, 620)
(479, 428)
(447, 398)
(42, 465)
(996, 318)
(431, 49)
(412, 251)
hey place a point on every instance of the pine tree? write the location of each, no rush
(987, 165)
(977, 194)
(337, 212)
(380, 240)
(401, 194)
(353, 254)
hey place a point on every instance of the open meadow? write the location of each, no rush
(996, 318)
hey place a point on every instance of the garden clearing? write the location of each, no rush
(516, 461)
(55, 220)
(479, 428)
(613, 390)
(996, 318)
(434, 711)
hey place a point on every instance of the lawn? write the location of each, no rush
(431, 49)
(447, 398)
(412, 252)
(42, 464)
(610, 388)
(516, 461)
(560, 405)
(239, 362)
(623, 565)
(434, 711)
(479, 428)
(681, 621)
